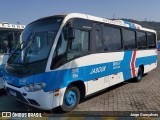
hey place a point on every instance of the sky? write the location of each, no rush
(26, 11)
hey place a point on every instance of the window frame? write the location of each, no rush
(122, 38)
(102, 27)
(120, 30)
(94, 30)
(135, 35)
(155, 41)
(146, 47)
(89, 47)
(68, 42)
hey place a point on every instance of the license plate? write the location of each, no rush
(13, 93)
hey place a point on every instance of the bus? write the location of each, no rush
(65, 58)
(158, 45)
(9, 38)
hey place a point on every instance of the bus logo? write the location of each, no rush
(98, 70)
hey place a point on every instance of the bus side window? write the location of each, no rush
(129, 39)
(151, 42)
(79, 46)
(112, 38)
(99, 42)
(141, 40)
(76, 48)
(59, 57)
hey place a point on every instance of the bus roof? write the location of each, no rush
(3, 22)
(5, 25)
(115, 22)
(104, 20)
(99, 19)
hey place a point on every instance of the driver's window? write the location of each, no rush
(80, 45)
(70, 49)
(59, 57)
(61, 46)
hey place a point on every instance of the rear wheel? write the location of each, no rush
(71, 99)
(139, 74)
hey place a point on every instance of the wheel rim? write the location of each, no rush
(139, 74)
(70, 98)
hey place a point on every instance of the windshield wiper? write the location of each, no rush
(24, 43)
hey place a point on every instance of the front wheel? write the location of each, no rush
(71, 99)
(139, 74)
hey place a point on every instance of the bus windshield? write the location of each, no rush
(37, 39)
(9, 40)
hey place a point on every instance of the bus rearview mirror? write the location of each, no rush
(69, 33)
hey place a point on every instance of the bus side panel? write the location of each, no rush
(147, 58)
(117, 70)
(126, 65)
(60, 78)
(95, 68)
(116, 78)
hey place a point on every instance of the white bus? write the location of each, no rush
(67, 57)
(158, 44)
(9, 39)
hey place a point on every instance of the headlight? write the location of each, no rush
(34, 87)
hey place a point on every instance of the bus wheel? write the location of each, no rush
(71, 99)
(139, 74)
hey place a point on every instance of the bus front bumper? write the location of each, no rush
(39, 99)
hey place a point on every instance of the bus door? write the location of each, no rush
(98, 71)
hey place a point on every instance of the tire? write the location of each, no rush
(71, 99)
(139, 75)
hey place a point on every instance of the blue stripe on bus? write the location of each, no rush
(62, 78)
(130, 24)
(126, 65)
(145, 60)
